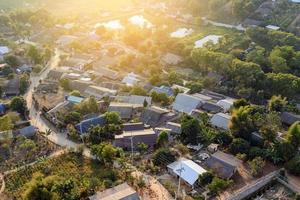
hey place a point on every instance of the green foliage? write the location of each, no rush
(293, 166)
(163, 139)
(240, 103)
(98, 134)
(65, 84)
(195, 87)
(137, 90)
(206, 178)
(112, 118)
(37, 69)
(88, 106)
(105, 152)
(277, 103)
(160, 98)
(257, 165)
(239, 145)
(223, 138)
(142, 147)
(24, 83)
(6, 123)
(282, 152)
(190, 131)
(12, 60)
(72, 118)
(18, 104)
(218, 185)
(75, 93)
(163, 157)
(34, 54)
(293, 134)
(175, 78)
(242, 124)
(256, 152)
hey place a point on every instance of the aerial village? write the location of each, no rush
(150, 102)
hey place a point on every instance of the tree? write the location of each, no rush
(242, 124)
(72, 118)
(195, 87)
(258, 56)
(24, 83)
(160, 98)
(12, 60)
(240, 103)
(34, 54)
(88, 106)
(269, 127)
(277, 103)
(223, 138)
(257, 165)
(239, 145)
(293, 165)
(163, 157)
(18, 104)
(142, 148)
(282, 152)
(137, 90)
(163, 139)
(6, 123)
(75, 93)
(65, 84)
(218, 185)
(293, 134)
(190, 131)
(104, 152)
(98, 134)
(206, 178)
(174, 78)
(112, 118)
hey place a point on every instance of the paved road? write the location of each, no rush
(238, 27)
(36, 119)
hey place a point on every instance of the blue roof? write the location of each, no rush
(2, 108)
(74, 99)
(164, 89)
(28, 131)
(84, 126)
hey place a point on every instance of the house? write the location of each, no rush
(131, 79)
(223, 164)
(220, 120)
(107, 73)
(187, 170)
(155, 116)
(119, 192)
(85, 125)
(79, 85)
(212, 148)
(163, 89)
(24, 69)
(55, 75)
(181, 89)
(75, 99)
(138, 101)
(174, 127)
(215, 96)
(211, 107)
(4, 50)
(226, 104)
(289, 118)
(125, 110)
(186, 103)
(27, 132)
(99, 92)
(2, 109)
(133, 135)
(13, 87)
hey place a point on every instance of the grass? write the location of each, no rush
(90, 174)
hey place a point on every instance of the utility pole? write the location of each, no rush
(131, 148)
(180, 171)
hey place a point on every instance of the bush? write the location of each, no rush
(206, 178)
(293, 166)
(239, 145)
(163, 157)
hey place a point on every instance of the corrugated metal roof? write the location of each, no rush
(186, 103)
(190, 170)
